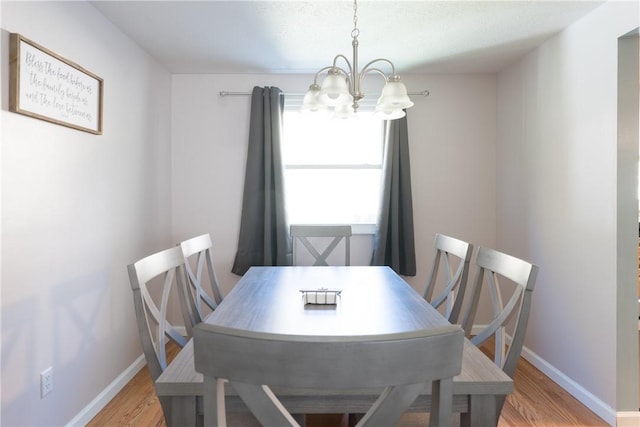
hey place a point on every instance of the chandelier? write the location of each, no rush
(341, 88)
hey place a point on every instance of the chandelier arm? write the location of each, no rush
(366, 68)
(372, 70)
(335, 64)
(347, 74)
(320, 71)
(342, 70)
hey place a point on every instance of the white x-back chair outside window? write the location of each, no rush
(398, 365)
(314, 238)
(454, 256)
(506, 278)
(203, 285)
(153, 279)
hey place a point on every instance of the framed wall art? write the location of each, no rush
(49, 87)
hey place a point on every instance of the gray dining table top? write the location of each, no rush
(372, 300)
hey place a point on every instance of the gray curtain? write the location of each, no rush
(264, 236)
(394, 242)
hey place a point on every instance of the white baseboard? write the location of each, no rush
(601, 409)
(97, 404)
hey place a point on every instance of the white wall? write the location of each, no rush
(557, 207)
(452, 141)
(76, 209)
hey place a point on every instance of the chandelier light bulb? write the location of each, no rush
(394, 95)
(311, 101)
(334, 90)
(344, 110)
(389, 114)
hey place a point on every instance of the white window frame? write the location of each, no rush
(358, 228)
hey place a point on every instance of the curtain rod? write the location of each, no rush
(224, 93)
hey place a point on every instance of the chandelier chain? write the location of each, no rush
(355, 32)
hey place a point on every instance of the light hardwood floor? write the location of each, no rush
(536, 401)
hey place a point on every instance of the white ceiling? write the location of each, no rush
(303, 36)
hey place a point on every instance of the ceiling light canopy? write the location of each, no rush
(342, 89)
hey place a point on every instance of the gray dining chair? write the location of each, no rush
(153, 280)
(453, 256)
(397, 365)
(314, 238)
(202, 284)
(509, 279)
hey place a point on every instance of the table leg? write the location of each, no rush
(482, 412)
(183, 411)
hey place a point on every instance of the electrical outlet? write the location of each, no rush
(46, 381)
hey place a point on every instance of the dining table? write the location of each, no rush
(366, 300)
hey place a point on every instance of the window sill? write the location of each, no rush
(368, 229)
(356, 229)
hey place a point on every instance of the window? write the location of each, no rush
(332, 168)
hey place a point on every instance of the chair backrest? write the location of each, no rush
(303, 234)
(454, 256)
(198, 252)
(152, 279)
(493, 267)
(401, 364)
